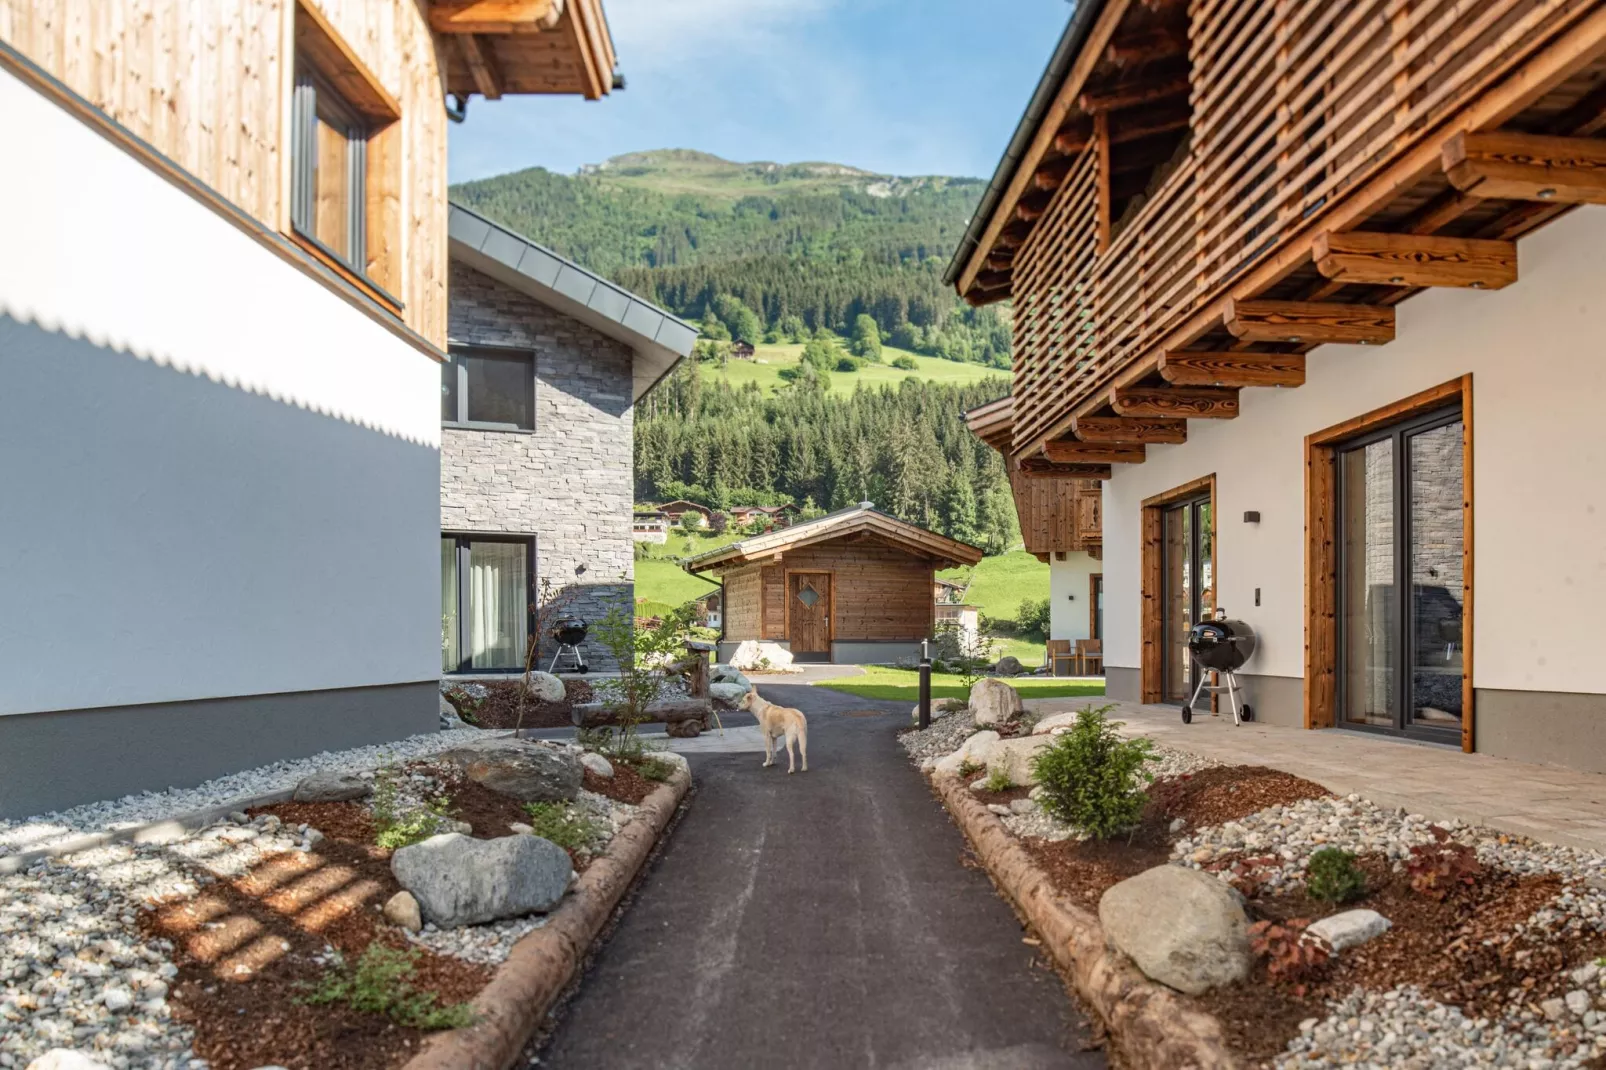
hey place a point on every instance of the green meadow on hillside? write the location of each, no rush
(768, 360)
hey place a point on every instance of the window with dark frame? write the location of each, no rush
(489, 388)
(329, 171)
(487, 602)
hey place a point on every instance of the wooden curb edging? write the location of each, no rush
(1150, 1025)
(509, 1009)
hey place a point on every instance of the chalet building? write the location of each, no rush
(545, 364)
(678, 509)
(1293, 282)
(223, 313)
(778, 515)
(1059, 524)
(854, 586)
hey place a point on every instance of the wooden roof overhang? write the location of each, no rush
(860, 524)
(503, 47)
(1326, 244)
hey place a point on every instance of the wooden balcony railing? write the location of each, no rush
(1294, 102)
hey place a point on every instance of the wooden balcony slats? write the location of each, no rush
(1294, 104)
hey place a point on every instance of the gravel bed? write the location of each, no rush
(44, 830)
(946, 733)
(488, 944)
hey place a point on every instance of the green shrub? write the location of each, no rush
(998, 780)
(1093, 779)
(848, 364)
(907, 364)
(564, 825)
(1332, 876)
(970, 767)
(655, 769)
(382, 983)
(400, 826)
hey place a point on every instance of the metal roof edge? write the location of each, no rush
(1048, 87)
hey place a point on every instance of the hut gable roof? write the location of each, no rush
(861, 520)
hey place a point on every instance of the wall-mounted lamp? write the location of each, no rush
(1252, 516)
(1070, 598)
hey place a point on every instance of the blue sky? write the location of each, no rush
(897, 86)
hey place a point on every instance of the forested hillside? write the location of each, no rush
(799, 245)
(904, 449)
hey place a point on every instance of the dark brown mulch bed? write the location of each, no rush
(246, 950)
(627, 785)
(1435, 945)
(500, 708)
(1085, 870)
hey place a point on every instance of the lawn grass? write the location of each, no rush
(665, 583)
(881, 682)
(775, 357)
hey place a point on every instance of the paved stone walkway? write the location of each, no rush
(1546, 802)
(826, 919)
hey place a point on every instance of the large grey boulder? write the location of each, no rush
(1350, 929)
(521, 768)
(974, 750)
(332, 787)
(729, 694)
(1014, 758)
(1009, 665)
(994, 702)
(544, 687)
(1183, 928)
(462, 881)
(449, 717)
(729, 674)
(752, 654)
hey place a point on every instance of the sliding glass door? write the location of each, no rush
(1401, 586)
(1186, 595)
(486, 605)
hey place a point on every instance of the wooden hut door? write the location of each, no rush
(808, 599)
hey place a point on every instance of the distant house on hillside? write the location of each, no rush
(742, 350)
(649, 525)
(675, 510)
(780, 515)
(709, 608)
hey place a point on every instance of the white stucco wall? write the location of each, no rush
(218, 477)
(1070, 614)
(1537, 351)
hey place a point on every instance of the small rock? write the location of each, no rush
(1578, 1002)
(239, 817)
(1585, 973)
(597, 764)
(1178, 824)
(332, 787)
(729, 694)
(1553, 1009)
(1000, 809)
(462, 827)
(402, 909)
(522, 829)
(461, 881)
(1350, 929)
(312, 838)
(117, 999)
(979, 784)
(1022, 806)
(687, 729)
(65, 1059)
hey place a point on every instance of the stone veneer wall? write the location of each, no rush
(570, 483)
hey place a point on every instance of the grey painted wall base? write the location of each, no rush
(1123, 685)
(1562, 728)
(50, 761)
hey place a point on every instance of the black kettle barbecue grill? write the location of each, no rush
(569, 633)
(1220, 646)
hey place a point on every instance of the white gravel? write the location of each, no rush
(45, 829)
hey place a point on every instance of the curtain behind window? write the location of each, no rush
(498, 607)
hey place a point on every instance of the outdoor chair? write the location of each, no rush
(1059, 650)
(1090, 652)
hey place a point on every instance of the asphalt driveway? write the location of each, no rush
(822, 920)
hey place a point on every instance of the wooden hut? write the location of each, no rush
(854, 586)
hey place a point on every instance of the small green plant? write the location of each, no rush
(467, 705)
(1092, 778)
(383, 983)
(970, 767)
(1333, 877)
(399, 825)
(654, 768)
(564, 825)
(998, 780)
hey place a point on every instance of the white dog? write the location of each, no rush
(777, 721)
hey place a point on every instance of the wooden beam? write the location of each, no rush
(1528, 167)
(1309, 322)
(1073, 139)
(1070, 452)
(1051, 176)
(1117, 429)
(1101, 139)
(493, 16)
(1359, 256)
(481, 63)
(1233, 368)
(1190, 402)
(1132, 96)
(1032, 468)
(1153, 44)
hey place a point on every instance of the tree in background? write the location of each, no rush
(866, 338)
(821, 351)
(715, 329)
(1000, 528)
(720, 522)
(744, 324)
(957, 508)
(792, 328)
